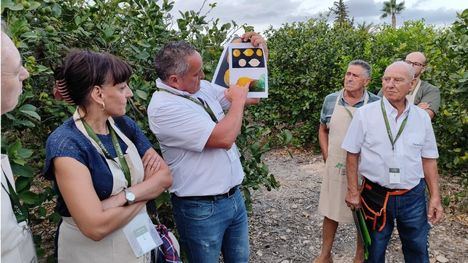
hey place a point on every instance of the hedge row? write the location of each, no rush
(308, 61)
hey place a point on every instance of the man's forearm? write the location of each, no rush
(352, 171)
(226, 130)
(431, 176)
(323, 140)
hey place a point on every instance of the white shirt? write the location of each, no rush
(182, 128)
(367, 135)
(17, 244)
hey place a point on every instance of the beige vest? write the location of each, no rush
(75, 247)
(411, 96)
(17, 243)
(334, 184)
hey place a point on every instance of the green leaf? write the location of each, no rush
(141, 94)
(28, 107)
(22, 171)
(34, 5)
(19, 161)
(55, 217)
(12, 6)
(14, 148)
(42, 212)
(78, 20)
(56, 10)
(30, 198)
(43, 69)
(26, 123)
(24, 153)
(32, 114)
(22, 183)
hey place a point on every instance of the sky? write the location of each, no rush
(263, 13)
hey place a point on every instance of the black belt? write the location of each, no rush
(230, 193)
(381, 190)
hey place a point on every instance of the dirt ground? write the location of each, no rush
(285, 226)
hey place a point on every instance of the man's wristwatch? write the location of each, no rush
(129, 196)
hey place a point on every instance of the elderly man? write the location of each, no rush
(198, 142)
(394, 144)
(335, 117)
(422, 93)
(17, 243)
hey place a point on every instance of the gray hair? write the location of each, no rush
(409, 68)
(363, 64)
(172, 59)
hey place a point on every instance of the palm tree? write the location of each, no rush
(340, 11)
(392, 8)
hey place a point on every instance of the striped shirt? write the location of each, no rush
(330, 102)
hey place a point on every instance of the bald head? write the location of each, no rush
(403, 67)
(418, 61)
(13, 74)
(397, 82)
(7, 47)
(416, 57)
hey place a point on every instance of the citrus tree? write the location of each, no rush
(45, 31)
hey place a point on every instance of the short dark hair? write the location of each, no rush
(366, 66)
(82, 70)
(172, 59)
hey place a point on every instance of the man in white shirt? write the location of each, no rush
(336, 115)
(392, 145)
(423, 94)
(17, 244)
(198, 142)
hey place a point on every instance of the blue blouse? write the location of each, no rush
(68, 141)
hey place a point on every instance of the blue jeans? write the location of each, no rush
(409, 211)
(208, 227)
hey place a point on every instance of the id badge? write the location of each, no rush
(394, 172)
(142, 235)
(394, 175)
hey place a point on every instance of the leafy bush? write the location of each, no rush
(46, 30)
(308, 61)
(449, 60)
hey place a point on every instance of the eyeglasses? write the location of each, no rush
(415, 63)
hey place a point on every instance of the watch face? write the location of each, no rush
(129, 196)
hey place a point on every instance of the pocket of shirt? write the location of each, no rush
(413, 145)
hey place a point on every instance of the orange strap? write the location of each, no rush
(383, 210)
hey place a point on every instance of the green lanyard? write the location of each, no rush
(118, 150)
(21, 212)
(387, 125)
(200, 102)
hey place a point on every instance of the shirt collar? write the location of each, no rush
(364, 97)
(392, 110)
(161, 85)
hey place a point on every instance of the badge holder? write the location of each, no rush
(142, 235)
(394, 172)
